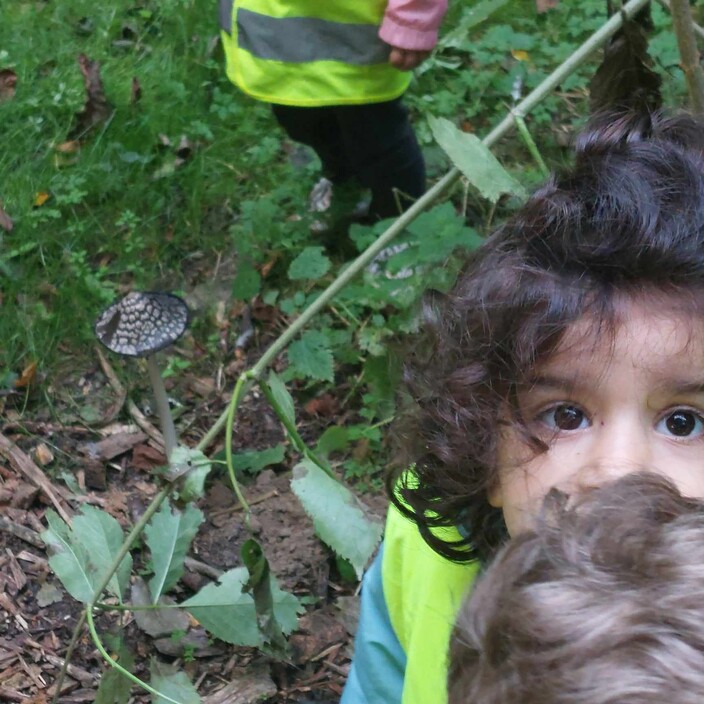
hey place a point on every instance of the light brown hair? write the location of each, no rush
(602, 603)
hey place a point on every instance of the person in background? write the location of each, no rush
(334, 73)
(601, 602)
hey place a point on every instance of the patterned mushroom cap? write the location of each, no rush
(141, 323)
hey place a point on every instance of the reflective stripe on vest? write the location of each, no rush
(299, 53)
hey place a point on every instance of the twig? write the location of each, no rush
(25, 466)
(117, 386)
(689, 54)
(200, 567)
(22, 532)
(697, 28)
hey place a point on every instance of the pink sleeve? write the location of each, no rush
(412, 24)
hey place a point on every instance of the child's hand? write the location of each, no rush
(406, 59)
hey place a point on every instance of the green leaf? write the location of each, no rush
(193, 466)
(334, 439)
(84, 553)
(169, 535)
(479, 166)
(247, 282)
(172, 682)
(228, 612)
(471, 17)
(311, 263)
(114, 687)
(253, 461)
(339, 517)
(311, 356)
(282, 397)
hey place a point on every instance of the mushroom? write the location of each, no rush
(139, 325)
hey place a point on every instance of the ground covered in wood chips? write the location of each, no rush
(99, 445)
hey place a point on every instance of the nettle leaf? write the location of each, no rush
(479, 166)
(228, 612)
(311, 356)
(439, 232)
(282, 396)
(83, 554)
(172, 682)
(253, 461)
(247, 282)
(339, 518)
(169, 535)
(334, 439)
(311, 263)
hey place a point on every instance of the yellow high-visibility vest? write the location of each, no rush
(309, 52)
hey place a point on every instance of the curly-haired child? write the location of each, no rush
(570, 351)
(602, 602)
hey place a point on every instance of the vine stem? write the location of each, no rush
(113, 663)
(122, 553)
(293, 431)
(530, 144)
(567, 67)
(689, 54)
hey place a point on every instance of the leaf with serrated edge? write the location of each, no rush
(101, 536)
(282, 396)
(114, 686)
(229, 613)
(311, 263)
(172, 682)
(253, 461)
(311, 356)
(337, 514)
(69, 561)
(169, 535)
(156, 622)
(479, 166)
(195, 466)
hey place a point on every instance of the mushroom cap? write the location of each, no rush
(142, 323)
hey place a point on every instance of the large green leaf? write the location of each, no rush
(253, 461)
(472, 16)
(169, 535)
(228, 612)
(339, 517)
(479, 166)
(172, 682)
(311, 263)
(247, 281)
(311, 356)
(83, 554)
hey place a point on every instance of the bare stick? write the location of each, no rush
(689, 54)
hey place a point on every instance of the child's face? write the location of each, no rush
(609, 407)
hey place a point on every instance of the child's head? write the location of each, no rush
(602, 602)
(572, 341)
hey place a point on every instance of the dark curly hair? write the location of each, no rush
(600, 603)
(626, 220)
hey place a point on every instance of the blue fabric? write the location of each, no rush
(379, 665)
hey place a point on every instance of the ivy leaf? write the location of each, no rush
(253, 461)
(228, 612)
(282, 396)
(339, 518)
(247, 282)
(172, 682)
(169, 535)
(311, 356)
(479, 166)
(83, 554)
(311, 263)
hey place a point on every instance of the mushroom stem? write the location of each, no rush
(162, 406)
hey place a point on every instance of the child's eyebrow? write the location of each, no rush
(552, 382)
(684, 387)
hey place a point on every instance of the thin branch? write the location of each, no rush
(697, 28)
(689, 54)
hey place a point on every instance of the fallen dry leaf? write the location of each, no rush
(40, 198)
(520, 55)
(146, 457)
(8, 84)
(97, 108)
(27, 377)
(43, 455)
(324, 405)
(69, 147)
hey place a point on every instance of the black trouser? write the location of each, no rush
(373, 143)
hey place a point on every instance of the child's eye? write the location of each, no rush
(564, 417)
(681, 423)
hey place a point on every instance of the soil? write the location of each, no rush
(88, 449)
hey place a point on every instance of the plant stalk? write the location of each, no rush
(689, 54)
(698, 30)
(607, 30)
(168, 428)
(530, 144)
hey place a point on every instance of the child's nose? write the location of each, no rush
(616, 449)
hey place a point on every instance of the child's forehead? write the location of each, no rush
(648, 334)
